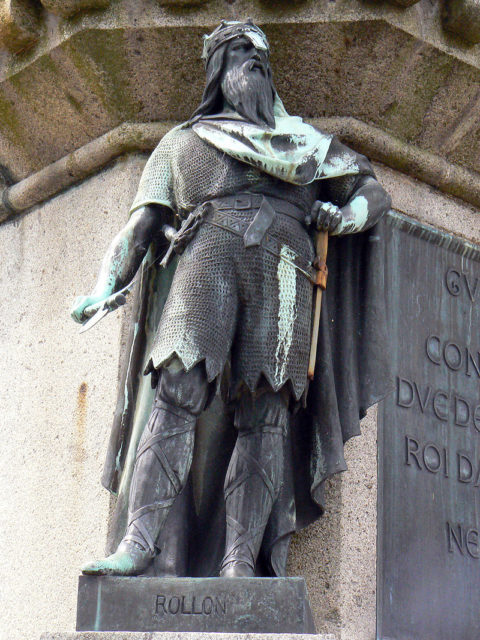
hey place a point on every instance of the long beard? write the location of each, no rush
(250, 93)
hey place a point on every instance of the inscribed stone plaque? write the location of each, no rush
(429, 456)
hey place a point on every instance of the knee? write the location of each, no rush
(187, 390)
(266, 411)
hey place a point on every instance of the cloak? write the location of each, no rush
(352, 373)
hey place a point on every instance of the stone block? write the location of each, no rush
(18, 24)
(462, 17)
(166, 635)
(67, 8)
(240, 605)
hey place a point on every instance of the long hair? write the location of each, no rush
(212, 99)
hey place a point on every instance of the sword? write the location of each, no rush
(118, 299)
(109, 304)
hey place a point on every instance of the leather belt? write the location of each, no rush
(244, 201)
(235, 225)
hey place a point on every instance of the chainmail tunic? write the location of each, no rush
(229, 303)
(185, 171)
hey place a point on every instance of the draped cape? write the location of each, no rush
(352, 373)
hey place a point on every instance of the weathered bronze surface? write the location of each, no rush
(429, 489)
(240, 191)
(241, 605)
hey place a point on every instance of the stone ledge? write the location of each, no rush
(88, 75)
(173, 635)
(431, 169)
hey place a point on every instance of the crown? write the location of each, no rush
(229, 30)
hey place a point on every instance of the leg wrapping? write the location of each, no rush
(164, 454)
(254, 475)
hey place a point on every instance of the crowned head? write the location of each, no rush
(239, 76)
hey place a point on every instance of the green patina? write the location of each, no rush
(118, 260)
(359, 207)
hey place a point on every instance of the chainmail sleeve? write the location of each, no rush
(340, 189)
(156, 184)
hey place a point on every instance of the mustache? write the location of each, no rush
(251, 94)
(255, 63)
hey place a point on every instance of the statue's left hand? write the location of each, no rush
(326, 216)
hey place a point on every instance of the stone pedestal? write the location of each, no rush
(177, 635)
(241, 605)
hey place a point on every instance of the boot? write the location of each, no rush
(164, 456)
(253, 481)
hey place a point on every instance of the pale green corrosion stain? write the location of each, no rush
(359, 208)
(293, 151)
(156, 183)
(287, 310)
(98, 614)
(110, 273)
(126, 397)
(340, 165)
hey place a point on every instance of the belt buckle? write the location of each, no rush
(242, 202)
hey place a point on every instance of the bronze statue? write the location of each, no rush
(248, 186)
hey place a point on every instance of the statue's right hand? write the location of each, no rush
(84, 307)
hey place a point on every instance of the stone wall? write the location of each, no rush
(58, 394)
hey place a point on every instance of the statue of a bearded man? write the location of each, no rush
(248, 186)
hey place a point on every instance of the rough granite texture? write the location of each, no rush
(139, 61)
(84, 635)
(57, 401)
(67, 8)
(18, 24)
(462, 17)
(337, 553)
(428, 205)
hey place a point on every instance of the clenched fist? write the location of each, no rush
(325, 216)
